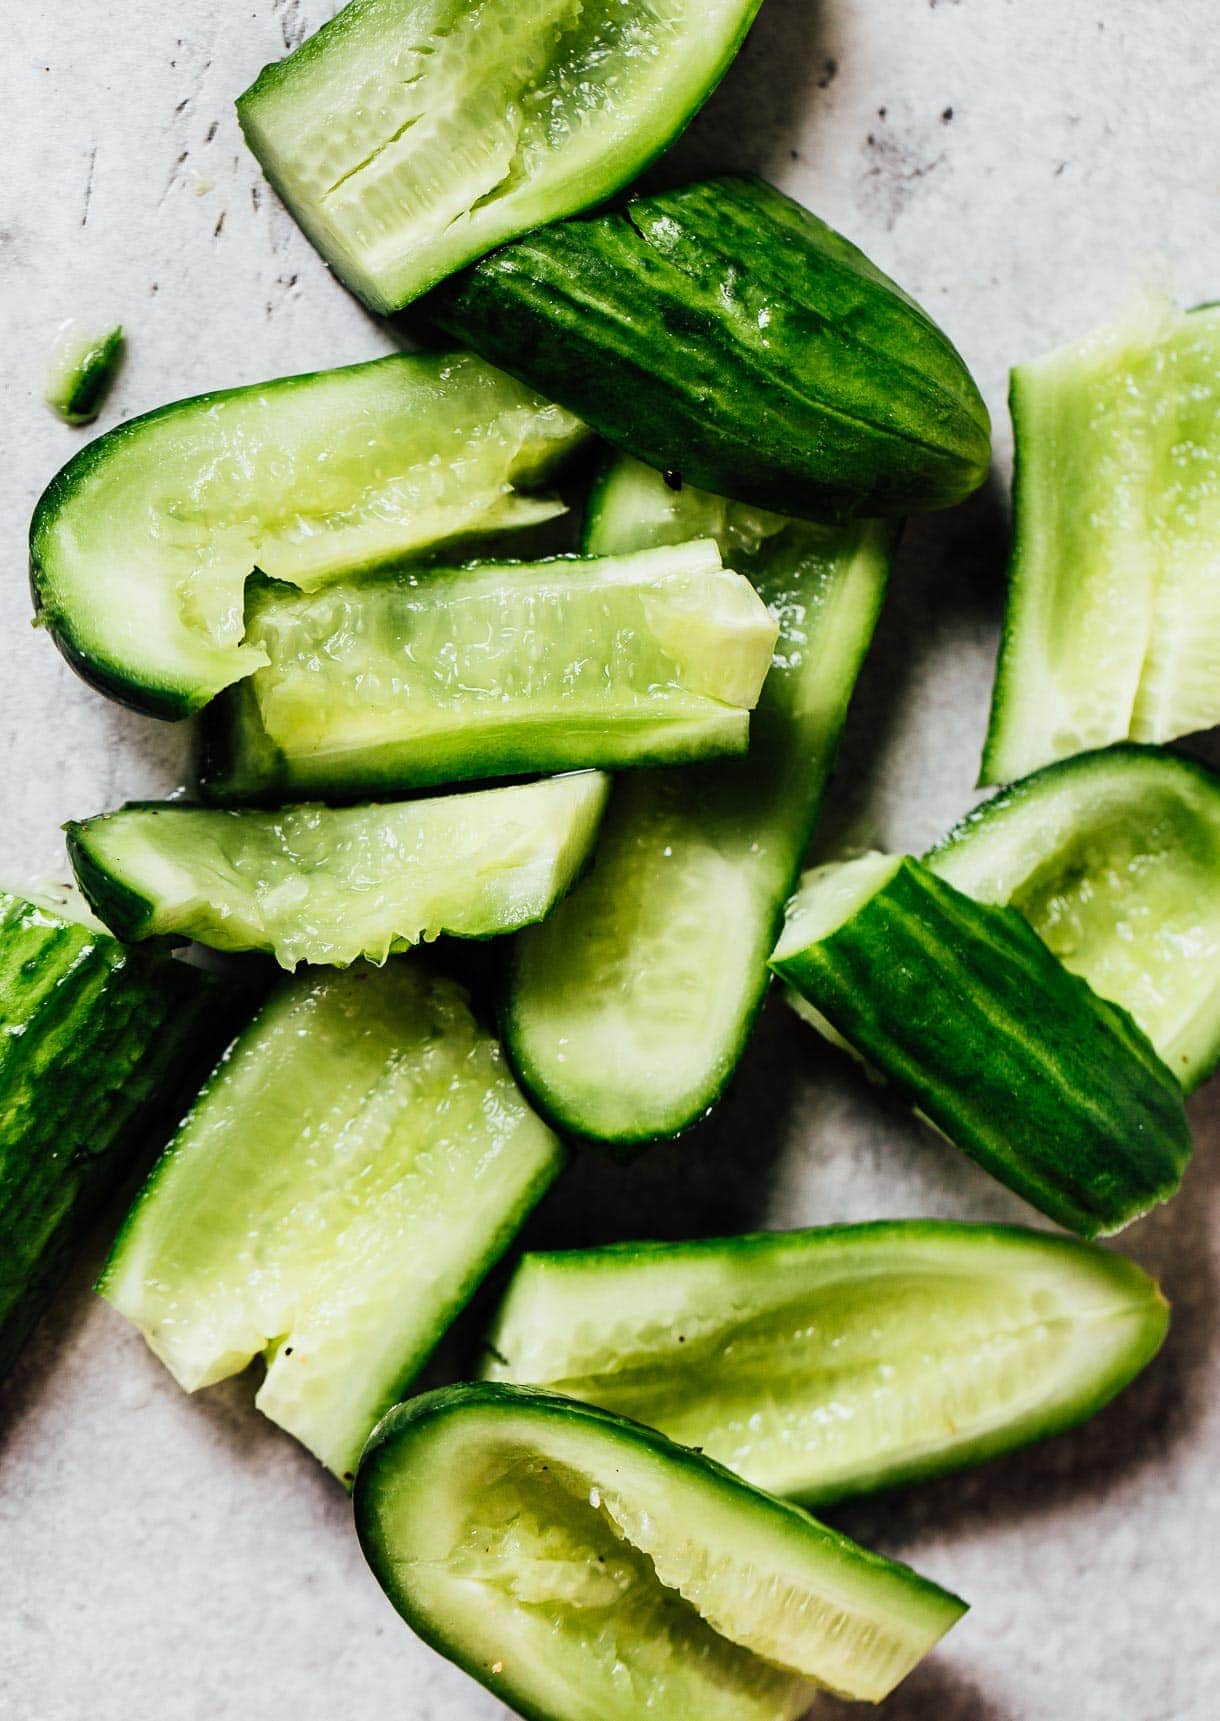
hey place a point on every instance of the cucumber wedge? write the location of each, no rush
(724, 333)
(140, 548)
(410, 136)
(627, 1012)
(357, 1162)
(1112, 628)
(81, 368)
(1052, 1089)
(427, 677)
(822, 1364)
(584, 1568)
(1114, 859)
(320, 884)
(98, 1047)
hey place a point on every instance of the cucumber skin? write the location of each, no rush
(478, 1396)
(147, 1028)
(889, 1235)
(631, 169)
(1007, 1084)
(595, 316)
(1140, 758)
(125, 911)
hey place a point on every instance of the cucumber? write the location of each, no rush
(98, 1044)
(1114, 859)
(823, 1364)
(723, 333)
(410, 136)
(140, 548)
(82, 365)
(358, 1160)
(428, 677)
(1052, 1089)
(626, 1013)
(584, 1568)
(1112, 625)
(320, 884)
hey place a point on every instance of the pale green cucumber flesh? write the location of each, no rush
(1114, 859)
(80, 370)
(1112, 628)
(357, 1162)
(584, 1568)
(627, 1012)
(410, 136)
(141, 547)
(820, 1364)
(1015, 1060)
(330, 885)
(499, 669)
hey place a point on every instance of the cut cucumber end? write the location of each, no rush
(829, 896)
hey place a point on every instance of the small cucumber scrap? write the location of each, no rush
(410, 136)
(1049, 1087)
(81, 368)
(428, 676)
(584, 1568)
(98, 1047)
(723, 333)
(1112, 628)
(822, 1364)
(359, 1159)
(1114, 859)
(627, 1011)
(140, 548)
(330, 885)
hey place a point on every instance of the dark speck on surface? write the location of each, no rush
(828, 74)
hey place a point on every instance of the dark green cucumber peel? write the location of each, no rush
(1019, 1063)
(627, 1011)
(1114, 859)
(83, 366)
(417, 678)
(100, 1047)
(827, 1363)
(724, 333)
(585, 1568)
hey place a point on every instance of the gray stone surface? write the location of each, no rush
(1021, 167)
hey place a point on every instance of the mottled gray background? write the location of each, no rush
(1020, 165)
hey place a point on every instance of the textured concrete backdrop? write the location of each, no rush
(1021, 166)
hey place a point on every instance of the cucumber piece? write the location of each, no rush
(497, 670)
(140, 548)
(1052, 1089)
(1112, 626)
(1114, 859)
(359, 1159)
(410, 136)
(584, 1568)
(324, 884)
(627, 1012)
(83, 363)
(829, 1363)
(97, 1046)
(724, 333)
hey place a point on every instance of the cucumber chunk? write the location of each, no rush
(324, 884)
(140, 548)
(1112, 627)
(97, 1047)
(1049, 1087)
(359, 1159)
(83, 363)
(410, 136)
(821, 1364)
(497, 670)
(1114, 859)
(724, 333)
(627, 1012)
(584, 1568)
